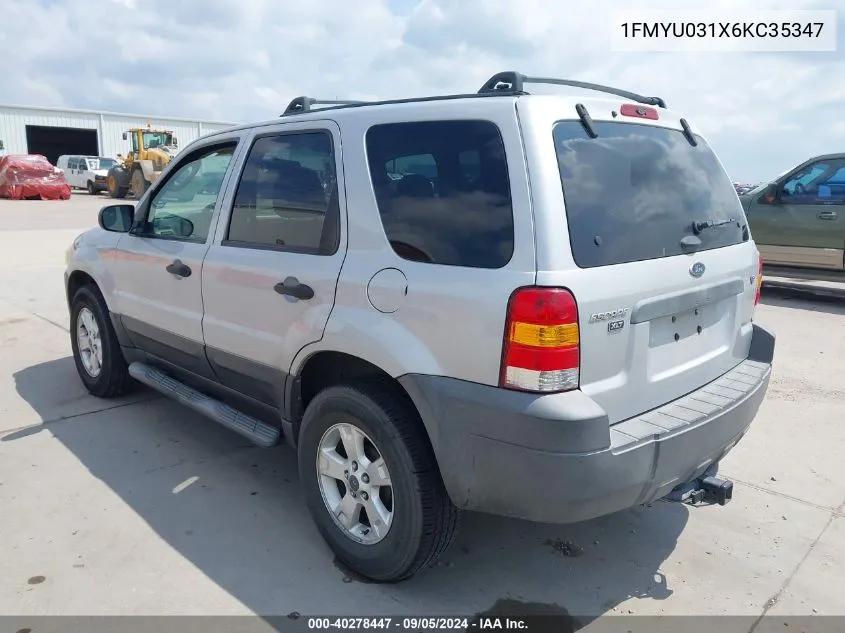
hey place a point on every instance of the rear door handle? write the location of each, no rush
(827, 215)
(292, 288)
(178, 268)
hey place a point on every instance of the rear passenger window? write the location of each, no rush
(443, 192)
(287, 196)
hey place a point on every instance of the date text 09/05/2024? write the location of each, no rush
(493, 623)
(722, 29)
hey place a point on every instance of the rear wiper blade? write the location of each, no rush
(698, 227)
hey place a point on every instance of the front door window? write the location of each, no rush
(184, 206)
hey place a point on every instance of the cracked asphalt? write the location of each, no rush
(139, 506)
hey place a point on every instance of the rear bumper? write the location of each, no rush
(555, 458)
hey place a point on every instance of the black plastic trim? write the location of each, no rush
(586, 120)
(515, 83)
(365, 104)
(303, 104)
(261, 382)
(762, 345)
(549, 458)
(562, 422)
(213, 388)
(688, 133)
(171, 347)
(123, 337)
(257, 383)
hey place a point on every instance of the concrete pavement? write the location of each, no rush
(139, 506)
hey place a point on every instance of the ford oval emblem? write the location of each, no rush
(696, 270)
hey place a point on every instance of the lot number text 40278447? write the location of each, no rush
(409, 624)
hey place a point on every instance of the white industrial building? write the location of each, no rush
(56, 131)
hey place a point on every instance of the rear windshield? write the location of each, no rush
(633, 193)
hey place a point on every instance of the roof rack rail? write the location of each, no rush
(303, 104)
(514, 83)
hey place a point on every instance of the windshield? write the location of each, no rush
(101, 163)
(157, 139)
(633, 192)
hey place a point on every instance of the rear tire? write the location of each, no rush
(92, 335)
(423, 520)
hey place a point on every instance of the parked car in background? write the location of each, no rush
(741, 189)
(798, 220)
(86, 172)
(28, 176)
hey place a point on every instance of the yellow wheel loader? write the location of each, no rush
(152, 151)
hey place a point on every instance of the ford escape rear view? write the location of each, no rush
(534, 306)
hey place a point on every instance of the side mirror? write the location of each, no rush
(2, 146)
(769, 194)
(173, 226)
(125, 136)
(175, 142)
(117, 218)
(186, 228)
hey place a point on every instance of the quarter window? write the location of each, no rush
(443, 192)
(287, 196)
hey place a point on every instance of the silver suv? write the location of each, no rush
(532, 306)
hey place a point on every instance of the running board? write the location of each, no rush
(254, 430)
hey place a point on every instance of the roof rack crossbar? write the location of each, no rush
(303, 104)
(514, 83)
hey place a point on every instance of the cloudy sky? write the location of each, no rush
(243, 60)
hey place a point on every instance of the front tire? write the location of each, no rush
(138, 184)
(96, 351)
(91, 190)
(371, 482)
(114, 182)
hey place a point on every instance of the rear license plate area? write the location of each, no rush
(697, 323)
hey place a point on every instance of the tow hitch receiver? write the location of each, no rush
(707, 489)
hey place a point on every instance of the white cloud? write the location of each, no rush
(240, 61)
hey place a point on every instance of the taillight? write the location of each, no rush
(541, 348)
(759, 280)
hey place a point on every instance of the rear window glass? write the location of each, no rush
(442, 191)
(633, 193)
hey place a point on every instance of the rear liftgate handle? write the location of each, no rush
(178, 268)
(292, 288)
